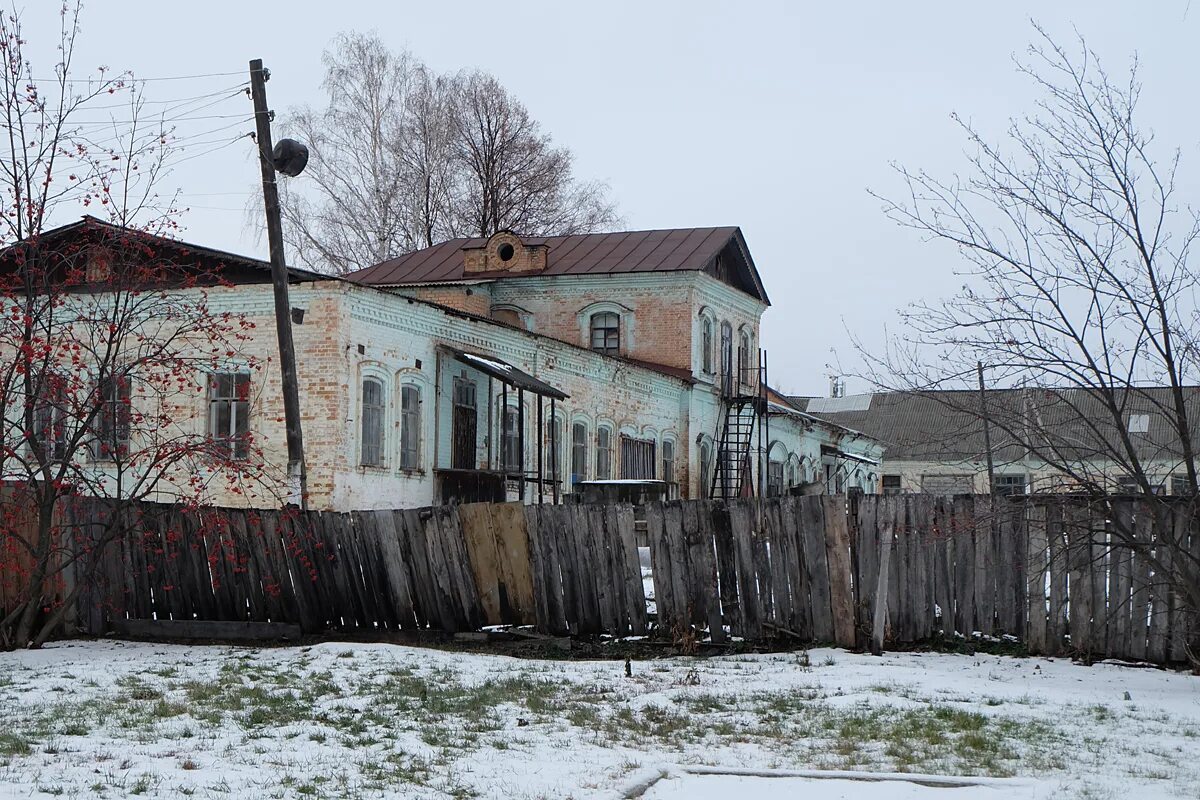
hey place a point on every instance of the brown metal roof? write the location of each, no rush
(671, 250)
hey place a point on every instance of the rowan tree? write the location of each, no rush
(106, 336)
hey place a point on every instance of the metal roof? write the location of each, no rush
(503, 371)
(669, 250)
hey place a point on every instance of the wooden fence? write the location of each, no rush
(900, 569)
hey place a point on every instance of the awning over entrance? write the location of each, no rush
(507, 373)
(826, 450)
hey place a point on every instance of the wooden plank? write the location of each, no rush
(613, 559)
(703, 559)
(395, 571)
(660, 564)
(1098, 557)
(943, 563)
(1160, 587)
(697, 606)
(898, 568)
(866, 561)
(560, 590)
(782, 615)
(742, 529)
(1004, 542)
(1056, 629)
(598, 560)
(635, 594)
(208, 629)
(476, 520)
(429, 608)
(793, 554)
(985, 566)
(764, 580)
(676, 550)
(1077, 522)
(292, 601)
(248, 569)
(921, 570)
(539, 570)
(886, 519)
(512, 546)
(731, 609)
(1140, 601)
(964, 523)
(585, 571)
(1181, 518)
(812, 527)
(1037, 562)
(1120, 579)
(837, 551)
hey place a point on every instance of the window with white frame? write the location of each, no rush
(371, 446)
(579, 454)
(603, 453)
(746, 370)
(410, 427)
(110, 440)
(229, 412)
(774, 478)
(606, 332)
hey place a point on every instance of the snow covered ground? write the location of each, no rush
(111, 719)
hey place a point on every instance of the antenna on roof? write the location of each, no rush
(837, 386)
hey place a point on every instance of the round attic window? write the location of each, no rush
(505, 251)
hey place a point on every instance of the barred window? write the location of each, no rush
(705, 469)
(372, 423)
(229, 412)
(410, 427)
(637, 458)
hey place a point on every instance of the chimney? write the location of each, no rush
(836, 386)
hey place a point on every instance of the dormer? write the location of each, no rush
(505, 252)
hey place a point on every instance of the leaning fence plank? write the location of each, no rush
(660, 565)
(1160, 587)
(943, 563)
(631, 570)
(1098, 575)
(731, 608)
(867, 562)
(837, 550)
(777, 555)
(704, 562)
(985, 565)
(816, 563)
(1121, 529)
(1077, 522)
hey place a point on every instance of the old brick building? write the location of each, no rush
(523, 368)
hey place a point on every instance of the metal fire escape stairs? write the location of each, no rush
(743, 425)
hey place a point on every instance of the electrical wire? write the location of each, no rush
(134, 78)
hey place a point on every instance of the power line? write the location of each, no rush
(238, 88)
(135, 79)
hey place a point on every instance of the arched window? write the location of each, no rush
(706, 345)
(746, 368)
(579, 455)
(410, 427)
(726, 356)
(603, 453)
(510, 441)
(668, 467)
(372, 423)
(705, 469)
(553, 444)
(606, 332)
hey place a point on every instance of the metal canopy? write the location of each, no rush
(507, 373)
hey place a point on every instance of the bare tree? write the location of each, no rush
(515, 178)
(1080, 289)
(104, 337)
(402, 158)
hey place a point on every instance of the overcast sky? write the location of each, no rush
(775, 116)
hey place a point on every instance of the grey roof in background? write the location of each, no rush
(947, 425)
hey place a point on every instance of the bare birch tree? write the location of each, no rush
(402, 158)
(1080, 288)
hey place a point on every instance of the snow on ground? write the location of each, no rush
(111, 719)
(723, 787)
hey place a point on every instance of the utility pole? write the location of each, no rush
(987, 432)
(297, 474)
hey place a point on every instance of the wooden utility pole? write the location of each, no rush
(987, 431)
(279, 279)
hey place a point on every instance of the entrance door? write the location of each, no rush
(465, 425)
